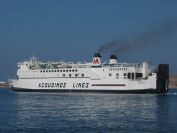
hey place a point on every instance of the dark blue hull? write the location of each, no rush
(143, 91)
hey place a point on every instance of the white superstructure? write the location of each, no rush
(62, 76)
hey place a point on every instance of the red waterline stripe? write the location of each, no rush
(108, 84)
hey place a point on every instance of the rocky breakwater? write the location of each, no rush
(3, 84)
(173, 81)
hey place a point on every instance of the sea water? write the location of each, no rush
(86, 112)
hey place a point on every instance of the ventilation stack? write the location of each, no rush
(97, 59)
(113, 59)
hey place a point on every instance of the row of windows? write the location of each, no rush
(117, 74)
(117, 69)
(59, 70)
(70, 75)
(129, 75)
(111, 69)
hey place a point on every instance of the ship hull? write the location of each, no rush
(85, 85)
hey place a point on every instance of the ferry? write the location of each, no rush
(108, 77)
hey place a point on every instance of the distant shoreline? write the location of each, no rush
(173, 81)
(4, 87)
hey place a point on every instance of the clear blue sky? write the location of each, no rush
(75, 29)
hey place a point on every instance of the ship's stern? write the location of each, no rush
(163, 78)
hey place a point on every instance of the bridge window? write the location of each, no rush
(133, 75)
(82, 75)
(125, 75)
(139, 75)
(63, 75)
(129, 75)
(117, 75)
(110, 74)
(69, 75)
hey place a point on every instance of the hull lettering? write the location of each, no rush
(52, 85)
(80, 85)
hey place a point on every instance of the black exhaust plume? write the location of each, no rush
(159, 33)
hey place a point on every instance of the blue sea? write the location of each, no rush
(31, 112)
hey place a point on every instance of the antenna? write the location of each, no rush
(33, 56)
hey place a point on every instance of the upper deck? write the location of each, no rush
(35, 64)
(95, 69)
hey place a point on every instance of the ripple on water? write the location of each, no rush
(85, 112)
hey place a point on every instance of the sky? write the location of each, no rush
(73, 30)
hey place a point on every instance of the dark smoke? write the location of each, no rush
(158, 34)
